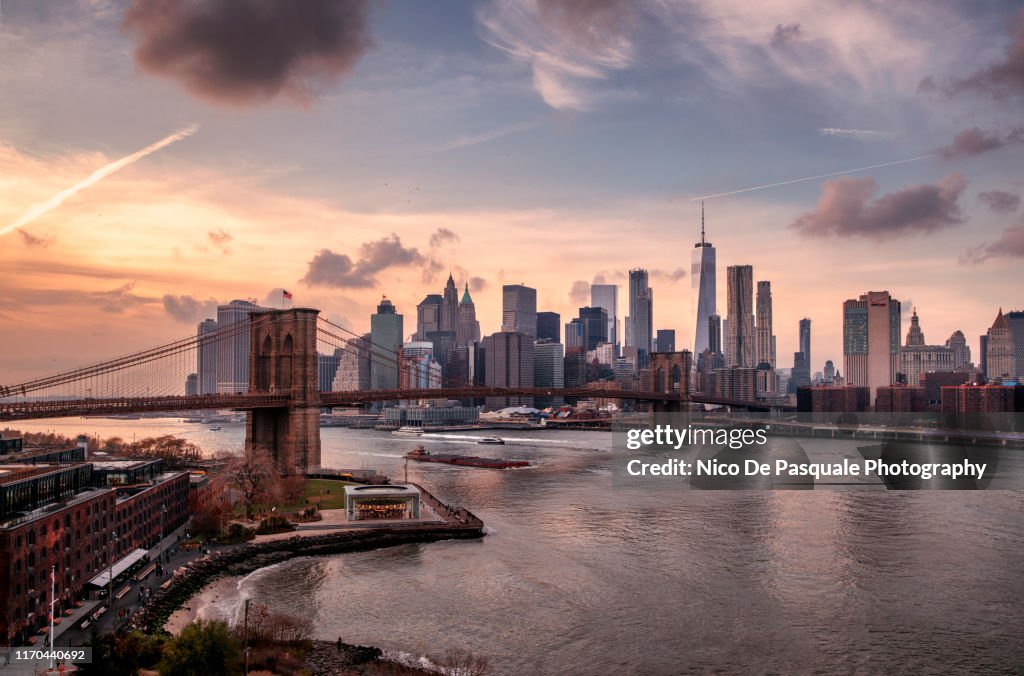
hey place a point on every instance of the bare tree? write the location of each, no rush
(459, 662)
(255, 477)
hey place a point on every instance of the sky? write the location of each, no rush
(160, 156)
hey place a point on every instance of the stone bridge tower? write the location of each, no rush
(670, 374)
(283, 360)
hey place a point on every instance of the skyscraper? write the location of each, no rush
(704, 285)
(596, 320)
(469, 328)
(917, 358)
(739, 337)
(765, 345)
(385, 337)
(665, 341)
(640, 322)
(450, 307)
(549, 326)
(509, 357)
(548, 370)
(1000, 359)
(428, 316)
(1015, 320)
(871, 340)
(805, 340)
(519, 309)
(714, 333)
(353, 374)
(607, 296)
(233, 346)
(961, 352)
(206, 357)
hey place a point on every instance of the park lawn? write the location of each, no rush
(329, 494)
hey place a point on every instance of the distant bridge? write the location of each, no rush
(283, 398)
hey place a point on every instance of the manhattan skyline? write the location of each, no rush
(534, 143)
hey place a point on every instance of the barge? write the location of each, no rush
(422, 455)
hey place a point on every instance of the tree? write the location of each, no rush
(255, 477)
(460, 662)
(201, 649)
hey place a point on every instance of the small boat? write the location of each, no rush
(492, 440)
(215, 429)
(409, 431)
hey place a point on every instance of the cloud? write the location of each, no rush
(579, 293)
(999, 201)
(569, 44)
(1009, 245)
(243, 52)
(669, 275)
(220, 239)
(443, 236)
(1000, 80)
(865, 134)
(846, 209)
(784, 34)
(974, 141)
(339, 271)
(188, 309)
(477, 284)
(31, 240)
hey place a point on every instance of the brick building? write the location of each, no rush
(68, 520)
(830, 399)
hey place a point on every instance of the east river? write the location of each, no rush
(578, 576)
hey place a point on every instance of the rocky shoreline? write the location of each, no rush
(248, 558)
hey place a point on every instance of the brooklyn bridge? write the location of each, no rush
(284, 400)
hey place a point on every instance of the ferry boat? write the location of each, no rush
(215, 428)
(498, 441)
(420, 454)
(409, 431)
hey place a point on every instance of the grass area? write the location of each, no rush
(326, 493)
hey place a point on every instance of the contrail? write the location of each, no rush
(95, 177)
(812, 178)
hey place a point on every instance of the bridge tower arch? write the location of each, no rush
(672, 372)
(283, 360)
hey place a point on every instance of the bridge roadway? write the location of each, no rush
(68, 408)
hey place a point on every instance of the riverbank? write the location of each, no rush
(248, 558)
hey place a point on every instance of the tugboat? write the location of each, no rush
(422, 455)
(497, 441)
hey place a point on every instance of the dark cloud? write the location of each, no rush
(974, 141)
(477, 284)
(220, 239)
(579, 294)
(847, 210)
(999, 201)
(443, 236)
(249, 51)
(189, 309)
(785, 34)
(31, 240)
(338, 270)
(1000, 80)
(1009, 245)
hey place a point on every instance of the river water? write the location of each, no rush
(580, 577)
